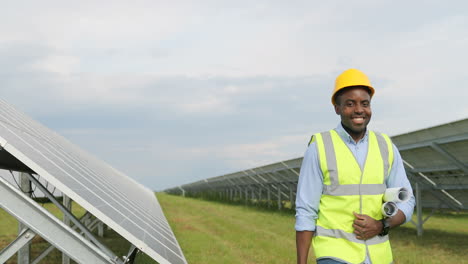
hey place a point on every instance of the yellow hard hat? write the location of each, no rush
(351, 77)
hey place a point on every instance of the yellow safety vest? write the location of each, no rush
(348, 188)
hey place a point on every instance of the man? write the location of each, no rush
(343, 177)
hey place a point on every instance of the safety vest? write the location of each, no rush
(348, 188)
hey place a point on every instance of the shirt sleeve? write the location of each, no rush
(398, 178)
(309, 191)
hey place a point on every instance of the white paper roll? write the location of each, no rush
(389, 209)
(396, 195)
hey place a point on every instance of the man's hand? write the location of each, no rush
(366, 227)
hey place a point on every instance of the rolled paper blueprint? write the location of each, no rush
(396, 195)
(389, 209)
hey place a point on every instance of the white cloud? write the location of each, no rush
(255, 72)
(59, 64)
(249, 155)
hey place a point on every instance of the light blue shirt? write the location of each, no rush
(309, 188)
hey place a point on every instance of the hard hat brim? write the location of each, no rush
(370, 89)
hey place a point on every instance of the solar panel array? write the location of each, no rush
(274, 183)
(117, 200)
(436, 158)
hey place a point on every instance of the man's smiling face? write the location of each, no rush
(353, 105)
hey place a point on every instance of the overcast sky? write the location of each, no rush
(171, 92)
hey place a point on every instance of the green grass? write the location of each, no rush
(445, 240)
(213, 232)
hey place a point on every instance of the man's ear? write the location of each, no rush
(337, 109)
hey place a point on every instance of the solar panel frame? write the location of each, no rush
(117, 200)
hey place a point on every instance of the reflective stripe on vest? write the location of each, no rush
(349, 236)
(349, 188)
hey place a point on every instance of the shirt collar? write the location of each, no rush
(347, 138)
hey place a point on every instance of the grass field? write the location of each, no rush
(213, 232)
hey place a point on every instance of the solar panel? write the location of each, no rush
(435, 157)
(117, 200)
(270, 183)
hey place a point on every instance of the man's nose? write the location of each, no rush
(359, 109)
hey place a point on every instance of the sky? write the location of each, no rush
(171, 92)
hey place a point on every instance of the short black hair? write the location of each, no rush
(340, 92)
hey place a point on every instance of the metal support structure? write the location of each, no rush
(17, 245)
(449, 156)
(67, 203)
(131, 255)
(49, 227)
(280, 204)
(447, 187)
(91, 226)
(51, 247)
(419, 225)
(420, 222)
(273, 174)
(428, 143)
(43, 255)
(442, 195)
(100, 228)
(268, 196)
(72, 218)
(183, 191)
(291, 196)
(24, 254)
